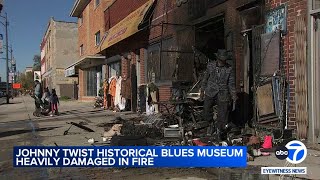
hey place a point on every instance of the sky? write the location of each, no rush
(28, 20)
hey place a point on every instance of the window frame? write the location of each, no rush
(96, 38)
(81, 49)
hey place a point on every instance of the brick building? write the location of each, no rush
(98, 58)
(58, 50)
(155, 39)
(313, 69)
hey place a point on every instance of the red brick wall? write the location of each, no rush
(294, 6)
(119, 10)
(93, 21)
(164, 93)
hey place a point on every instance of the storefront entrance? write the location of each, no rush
(93, 80)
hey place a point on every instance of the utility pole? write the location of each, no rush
(12, 70)
(7, 61)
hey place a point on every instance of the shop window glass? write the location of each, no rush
(91, 77)
(114, 69)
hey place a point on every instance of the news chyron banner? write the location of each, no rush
(127, 156)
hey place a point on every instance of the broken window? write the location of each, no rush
(251, 17)
(153, 63)
(168, 59)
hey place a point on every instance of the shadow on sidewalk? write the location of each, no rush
(10, 103)
(16, 132)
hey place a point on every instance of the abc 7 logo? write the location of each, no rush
(294, 152)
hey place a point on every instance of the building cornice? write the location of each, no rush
(78, 7)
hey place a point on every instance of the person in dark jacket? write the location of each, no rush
(54, 102)
(218, 88)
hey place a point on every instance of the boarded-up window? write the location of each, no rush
(270, 53)
(168, 59)
(153, 63)
(251, 17)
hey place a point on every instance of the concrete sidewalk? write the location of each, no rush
(49, 131)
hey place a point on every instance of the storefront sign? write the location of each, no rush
(16, 85)
(276, 19)
(127, 27)
(70, 71)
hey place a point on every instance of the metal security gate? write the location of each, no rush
(257, 31)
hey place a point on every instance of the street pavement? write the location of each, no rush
(19, 127)
(2, 100)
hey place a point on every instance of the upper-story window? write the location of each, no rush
(80, 19)
(97, 2)
(97, 38)
(81, 50)
(315, 4)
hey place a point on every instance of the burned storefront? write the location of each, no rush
(183, 38)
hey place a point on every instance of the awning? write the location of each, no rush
(85, 62)
(127, 27)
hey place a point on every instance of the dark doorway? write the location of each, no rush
(210, 36)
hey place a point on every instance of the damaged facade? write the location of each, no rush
(153, 41)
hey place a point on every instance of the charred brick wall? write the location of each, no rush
(294, 8)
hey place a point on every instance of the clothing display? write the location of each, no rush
(122, 104)
(117, 97)
(126, 88)
(154, 99)
(152, 96)
(112, 87)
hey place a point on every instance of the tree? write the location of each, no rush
(36, 63)
(26, 80)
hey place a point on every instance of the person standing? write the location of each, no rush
(105, 93)
(46, 95)
(38, 96)
(54, 103)
(218, 88)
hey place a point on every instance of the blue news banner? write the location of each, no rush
(130, 156)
